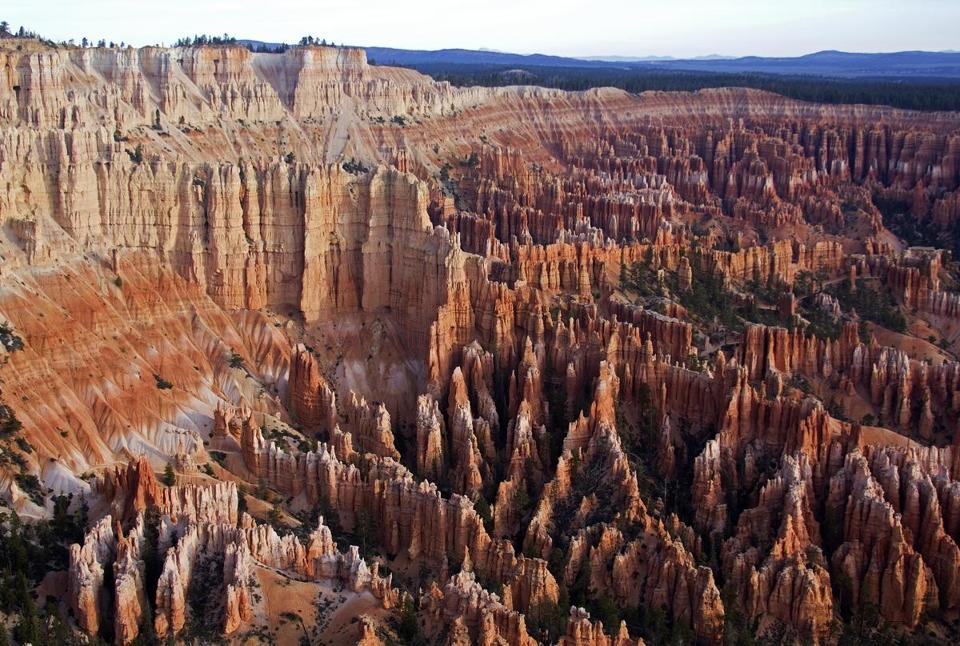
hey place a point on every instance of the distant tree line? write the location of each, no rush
(277, 48)
(198, 40)
(267, 48)
(914, 94)
(264, 48)
(204, 39)
(313, 40)
(7, 32)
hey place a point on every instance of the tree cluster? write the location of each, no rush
(27, 553)
(313, 40)
(908, 93)
(204, 39)
(871, 304)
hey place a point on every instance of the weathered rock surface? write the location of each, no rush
(461, 320)
(188, 537)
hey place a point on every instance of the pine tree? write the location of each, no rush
(409, 626)
(58, 632)
(148, 634)
(169, 476)
(26, 630)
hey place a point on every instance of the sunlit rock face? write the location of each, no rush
(316, 340)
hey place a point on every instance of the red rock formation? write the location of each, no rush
(653, 570)
(86, 574)
(764, 348)
(311, 398)
(468, 462)
(791, 584)
(164, 282)
(130, 489)
(478, 615)
(368, 633)
(583, 632)
(189, 535)
(875, 554)
(370, 426)
(130, 599)
(431, 440)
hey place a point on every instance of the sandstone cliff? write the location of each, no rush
(443, 323)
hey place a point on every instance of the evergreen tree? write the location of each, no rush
(169, 475)
(27, 629)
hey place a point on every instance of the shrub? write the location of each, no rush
(136, 155)
(10, 341)
(482, 508)
(836, 410)
(30, 485)
(9, 424)
(609, 614)
(355, 167)
(799, 382)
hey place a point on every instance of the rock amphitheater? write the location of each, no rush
(333, 353)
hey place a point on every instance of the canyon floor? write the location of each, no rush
(298, 349)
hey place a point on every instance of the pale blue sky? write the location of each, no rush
(565, 27)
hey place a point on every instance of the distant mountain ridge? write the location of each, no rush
(393, 56)
(830, 63)
(652, 59)
(835, 63)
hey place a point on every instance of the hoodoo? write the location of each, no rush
(298, 347)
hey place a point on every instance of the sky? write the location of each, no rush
(679, 28)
